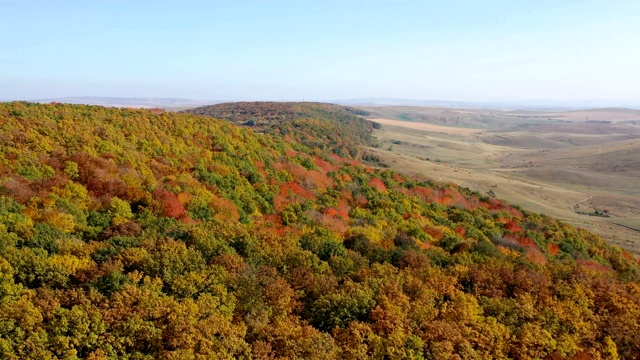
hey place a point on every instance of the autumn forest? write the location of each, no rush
(259, 231)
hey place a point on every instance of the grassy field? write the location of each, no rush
(542, 162)
(633, 224)
(496, 119)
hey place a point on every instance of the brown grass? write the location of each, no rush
(546, 170)
(427, 127)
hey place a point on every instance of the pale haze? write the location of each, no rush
(322, 50)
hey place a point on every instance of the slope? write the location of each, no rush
(325, 127)
(139, 234)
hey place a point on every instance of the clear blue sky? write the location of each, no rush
(322, 49)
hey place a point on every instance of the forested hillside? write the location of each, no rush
(134, 234)
(326, 127)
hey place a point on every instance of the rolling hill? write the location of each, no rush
(143, 234)
(328, 127)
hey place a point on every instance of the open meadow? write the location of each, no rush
(581, 166)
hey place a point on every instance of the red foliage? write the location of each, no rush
(397, 177)
(272, 219)
(325, 165)
(553, 249)
(172, 207)
(316, 180)
(361, 201)
(627, 255)
(331, 212)
(346, 195)
(460, 230)
(448, 197)
(378, 184)
(425, 194)
(280, 202)
(593, 265)
(293, 188)
(292, 193)
(434, 232)
(525, 241)
(129, 228)
(513, 227)
(109, 156)
(445, 197)
(493, 204)
(473, 203)
(103, 183)
(337, 158)
(497, 205)
(346, 178)
(100, 176)
(19, 189)
(333, 223)
(536, 256)
(461, 201)
(298, 172)
(342, 211)
(261, 168)
(290, 153)
(273, 222)
(514, 212)
(520, 240)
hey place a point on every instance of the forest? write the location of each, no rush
(144, 234)
(323, 128)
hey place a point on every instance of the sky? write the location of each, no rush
(322, 50)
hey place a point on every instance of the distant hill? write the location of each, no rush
(327, 127)
(408, 102)
(143, 234)
(181, 104)
(132, 102)
(483, 118)
(531, 105)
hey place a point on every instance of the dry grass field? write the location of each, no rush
(551, 163)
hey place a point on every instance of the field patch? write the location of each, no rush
(543, 162)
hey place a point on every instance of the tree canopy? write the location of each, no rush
(143, 234)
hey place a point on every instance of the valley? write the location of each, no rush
(542, 162)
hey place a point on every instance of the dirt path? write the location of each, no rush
(573, 207)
